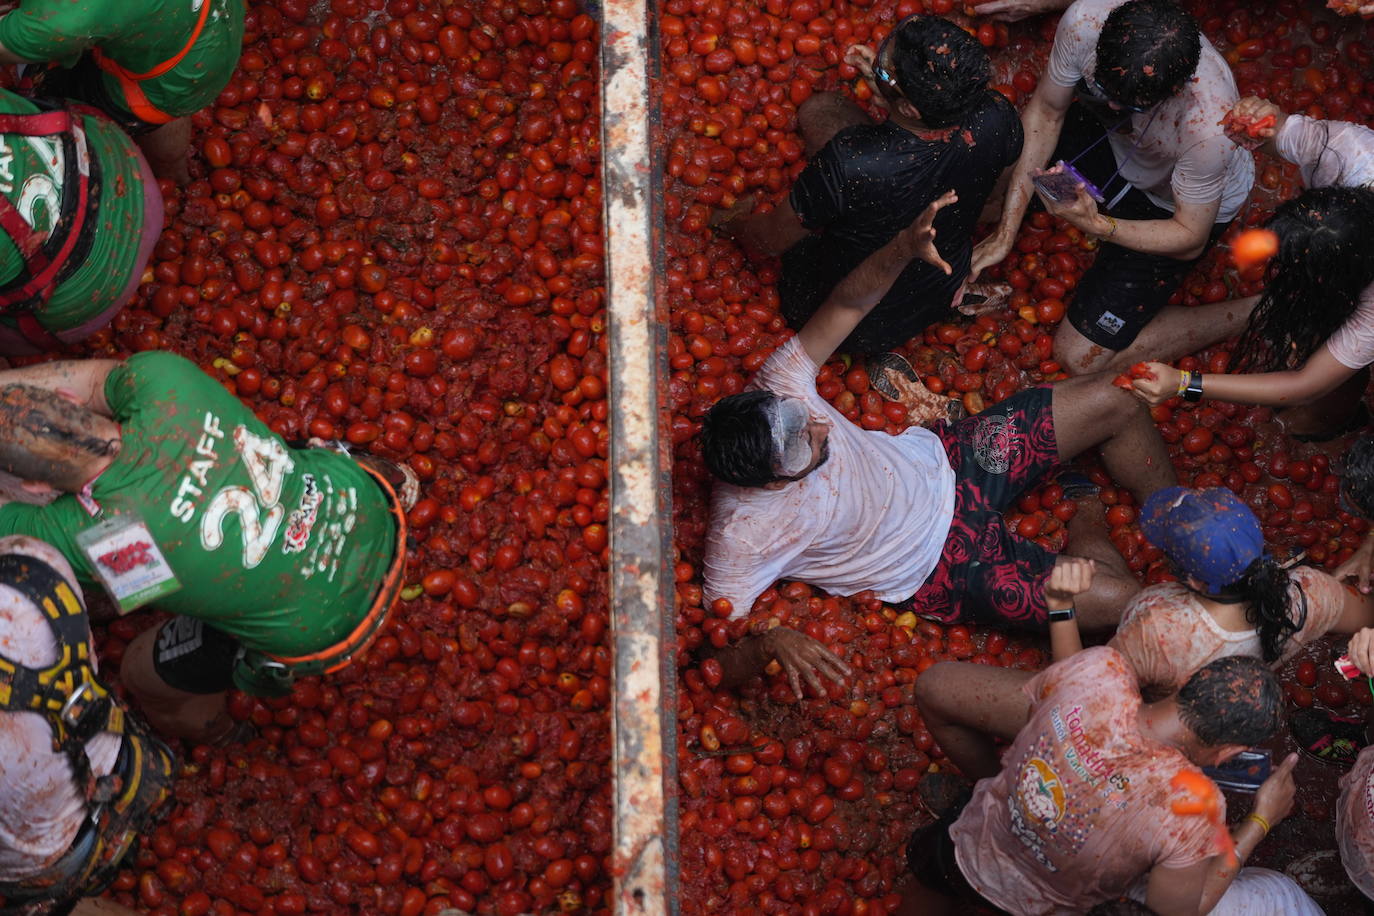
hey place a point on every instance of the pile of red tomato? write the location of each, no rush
(393, 237)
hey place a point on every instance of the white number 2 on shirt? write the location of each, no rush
(267, 463)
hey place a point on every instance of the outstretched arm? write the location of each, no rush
(83, 380)
(1041, 122)
(856, 295)
(1322, 373)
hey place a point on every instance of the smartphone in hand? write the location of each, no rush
(1061, 185)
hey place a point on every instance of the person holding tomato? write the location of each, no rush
(1129, 104)
(275, 562)
(1310, 340)
(866, 181)
(803, 494)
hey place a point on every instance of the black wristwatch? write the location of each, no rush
(1193, 390)
(1062, 614)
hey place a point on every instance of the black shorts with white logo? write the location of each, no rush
(193, 656)
(1123, 290)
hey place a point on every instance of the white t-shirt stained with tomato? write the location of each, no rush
(1177, 150)
(873, 516)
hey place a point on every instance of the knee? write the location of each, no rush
(932, 694)
(1113, 593)
(1077, 354)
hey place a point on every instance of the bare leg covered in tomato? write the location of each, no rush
(198, 717)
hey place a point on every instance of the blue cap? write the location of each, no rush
(1209, 534)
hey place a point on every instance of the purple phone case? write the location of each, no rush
(1060, 186)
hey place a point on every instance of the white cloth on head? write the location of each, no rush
(874, 516)
(787, 420)
(1185, 155)
(40, 810)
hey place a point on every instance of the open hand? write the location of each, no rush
(803, 658)
(1274, 800)
(991, 250)
(1081, 211)
(1071, 576)
(1157, 387)
(919, 237)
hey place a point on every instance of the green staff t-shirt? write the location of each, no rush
(33, 176)
(138, 35)
(283, 549)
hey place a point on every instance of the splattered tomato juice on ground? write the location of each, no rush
(393, 237)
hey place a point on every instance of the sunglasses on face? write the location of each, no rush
(880, 72)
(1096, 89)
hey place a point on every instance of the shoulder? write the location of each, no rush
(788, 370)
(861, 148)
(1084, 18)
(155, 366)
(1153, 604)
(1100, 668)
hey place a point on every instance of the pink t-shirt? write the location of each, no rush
(1082, 807)
(1166, 634)
(40, 809)
(1355, 822)
(873, 516)
(1177, 150)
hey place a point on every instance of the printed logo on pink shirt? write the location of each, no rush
(1041, 793)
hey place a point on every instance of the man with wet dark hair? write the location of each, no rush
(946, 129)
(1131, 99)
(1098, 790)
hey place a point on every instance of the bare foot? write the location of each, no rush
(923, 406)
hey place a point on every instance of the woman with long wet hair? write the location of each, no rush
(1310, 337)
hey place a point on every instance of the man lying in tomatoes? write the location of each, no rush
(804, 494)
(866, 181)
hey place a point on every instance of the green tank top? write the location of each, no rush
(281, 548)
(33, 178)
(138, 35)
